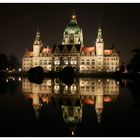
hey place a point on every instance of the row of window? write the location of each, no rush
(99, 63)
(27, 60)
(73, 62)
(111, 63)
(110, 59)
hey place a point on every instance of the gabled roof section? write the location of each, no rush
(28, 53)
(107, 52)
(68, 48)
(88, 49)
(65, 49)
(111, 52)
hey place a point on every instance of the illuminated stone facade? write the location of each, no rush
(72, 52)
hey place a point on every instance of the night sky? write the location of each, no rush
(19, 22)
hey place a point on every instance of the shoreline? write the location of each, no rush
(53, 74)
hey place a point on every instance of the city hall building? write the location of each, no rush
(72, 53)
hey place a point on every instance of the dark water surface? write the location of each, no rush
(86, 107)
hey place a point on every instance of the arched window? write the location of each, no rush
(56, 88)
(93, 62)
(57, 61)
(88, 62)
(73, 88)
(82, 61)
(71, 38)
(50, 62)
(65, 89)
(73, 61)
(65, 61)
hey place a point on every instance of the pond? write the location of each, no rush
(86, 107)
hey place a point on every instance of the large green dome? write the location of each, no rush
(72, 33)
(72, 28)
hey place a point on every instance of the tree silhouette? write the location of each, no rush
(134, 65)
(13, 62)
(3, 62)
(122, 68)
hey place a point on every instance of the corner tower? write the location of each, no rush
(99, 43)
(37, 44)
(100, 50)
(73, 33)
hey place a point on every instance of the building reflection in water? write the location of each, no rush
(72, 97)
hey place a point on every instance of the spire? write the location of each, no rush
(113, 46)
(37, 109)
(99, 35)
(98, 117)
(37, 37)
(73, 17)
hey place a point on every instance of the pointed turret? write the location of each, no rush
(73, 17)
(37, 38)
(37, 44)
(37, 110)
(99, 42)
(99, 35)
(99, 114)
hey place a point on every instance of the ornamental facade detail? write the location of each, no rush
(72, 53)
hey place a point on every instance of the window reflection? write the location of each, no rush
(71, 98)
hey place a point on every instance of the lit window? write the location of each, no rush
(88, 62)
(65, 61)
(73, 61)
(93, 62)
(73, 88)
(45, 62)
(57, 61)
(50, 62)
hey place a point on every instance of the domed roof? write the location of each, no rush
(73, 33)
(71, 120)
(73, 27)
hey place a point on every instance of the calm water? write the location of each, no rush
(86, 107)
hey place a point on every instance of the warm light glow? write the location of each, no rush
(73, 61)
(73, 16)
(45, 99)
(7, 80)
(56, 88)
(19, 78)
(107, 99)
(88, 101)
(107, 70)
(57, 61)
(19, 69)
(49, 68)
(107, 52)
(88, 49)
(65, 61)
(72, 133)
